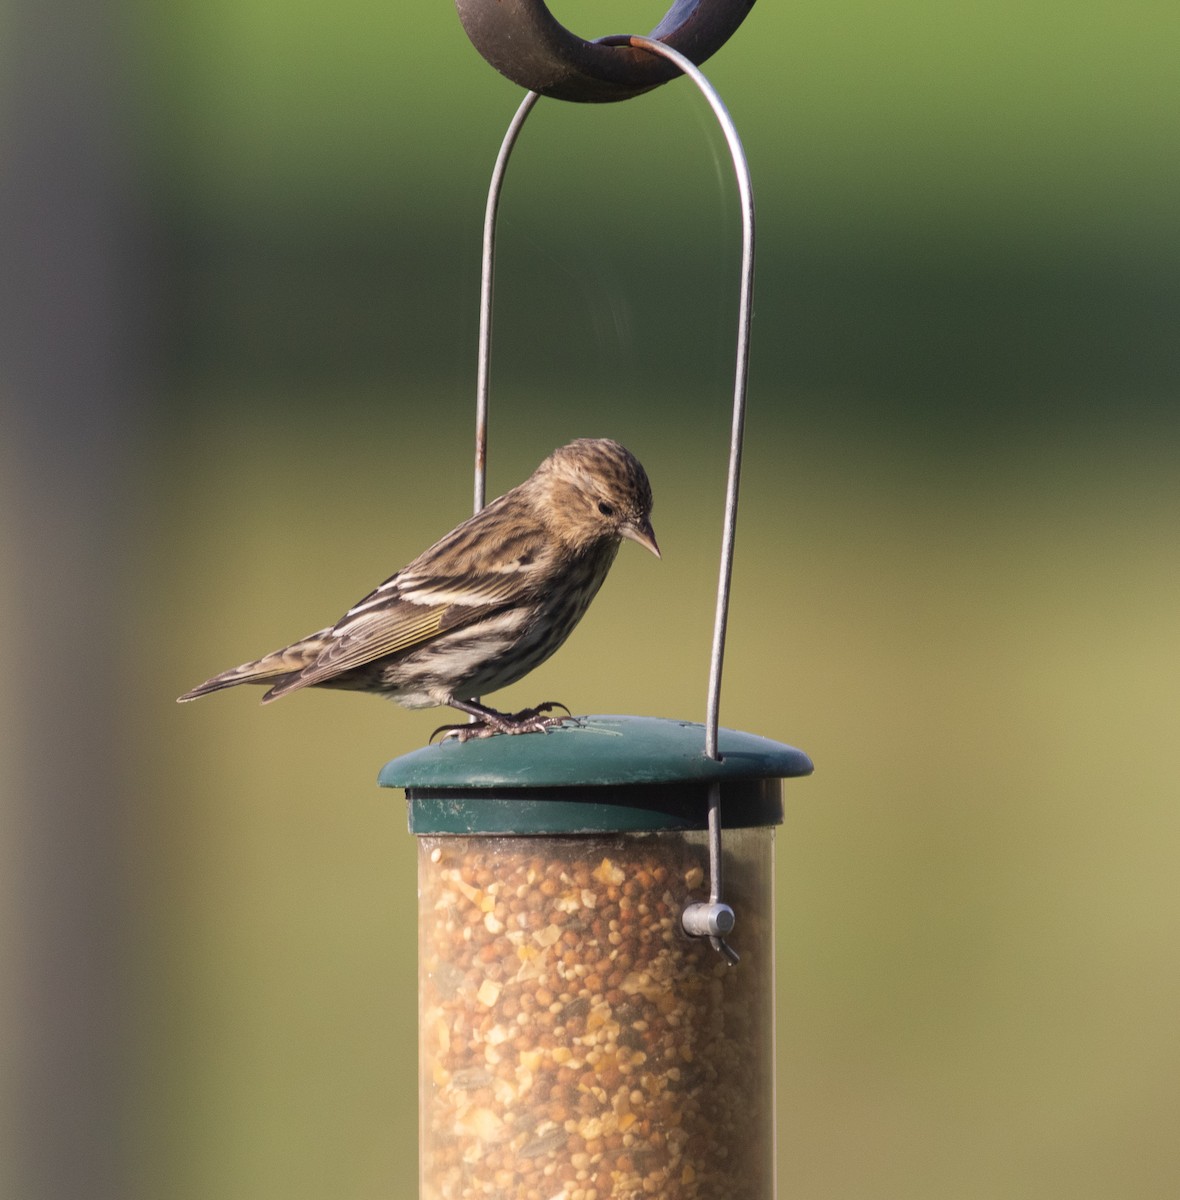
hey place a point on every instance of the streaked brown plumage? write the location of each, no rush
(484, 605)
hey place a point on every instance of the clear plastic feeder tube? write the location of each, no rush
(575, 1043)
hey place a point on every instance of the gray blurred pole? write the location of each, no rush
(64, 408)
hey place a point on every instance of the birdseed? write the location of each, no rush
(575, 1044)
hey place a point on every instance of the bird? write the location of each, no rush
(483, 606)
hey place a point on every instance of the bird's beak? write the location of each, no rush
(642, 533)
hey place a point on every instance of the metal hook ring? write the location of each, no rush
(523, 41)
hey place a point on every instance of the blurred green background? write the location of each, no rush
(238, 389)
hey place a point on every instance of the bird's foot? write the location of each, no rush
(488, 722)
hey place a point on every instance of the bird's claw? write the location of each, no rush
(528, 716)
(528, 720)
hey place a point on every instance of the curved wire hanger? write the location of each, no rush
(715, 919)
(741, 372)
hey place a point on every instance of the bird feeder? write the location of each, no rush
(596, 907)
(575, 1039)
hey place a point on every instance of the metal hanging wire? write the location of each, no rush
(714, 919)
(741, 371)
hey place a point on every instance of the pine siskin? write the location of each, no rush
(484, 605)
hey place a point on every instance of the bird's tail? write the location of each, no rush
(276, 668)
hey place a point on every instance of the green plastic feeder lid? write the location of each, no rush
(604, 773)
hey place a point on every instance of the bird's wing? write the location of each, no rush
(406, 611)
(483, 565)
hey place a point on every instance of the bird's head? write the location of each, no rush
(594, 490)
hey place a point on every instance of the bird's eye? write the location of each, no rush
(607, 510)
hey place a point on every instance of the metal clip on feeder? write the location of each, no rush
(573, 1031)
